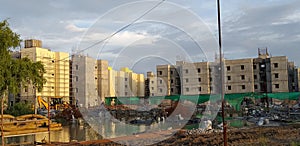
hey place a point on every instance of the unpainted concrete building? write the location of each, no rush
(263, 74)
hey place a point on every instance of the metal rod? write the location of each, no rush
(48, 119)
(222, 74)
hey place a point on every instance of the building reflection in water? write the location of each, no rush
(75, 132)
(67, 134)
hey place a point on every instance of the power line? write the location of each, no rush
(119, 30)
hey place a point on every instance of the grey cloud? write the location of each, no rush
(254, 28)
(247, 25)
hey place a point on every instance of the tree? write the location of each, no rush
(19, 109)
(15, 73)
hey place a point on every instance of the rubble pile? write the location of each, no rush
(69, 114)
(285, 112)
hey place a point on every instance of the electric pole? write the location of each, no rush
(222, 74)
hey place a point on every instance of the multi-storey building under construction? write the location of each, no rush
(57, 73)
(264, 74)
(93, 80)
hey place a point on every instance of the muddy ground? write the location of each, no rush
(283, 135)
(286, 135)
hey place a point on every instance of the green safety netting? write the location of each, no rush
(284, 95)
(194, 98)
(156, 100)
(122, 100)
(126, 100)
(234, 100)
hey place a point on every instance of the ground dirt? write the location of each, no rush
(283, 135)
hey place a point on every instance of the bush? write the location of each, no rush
(20, 109)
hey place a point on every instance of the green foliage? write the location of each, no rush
(295, 144)
(16, 72)
(20, 109)
(8, 39)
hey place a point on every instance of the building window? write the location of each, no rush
(152, 88)
(126, 86)
(152, 94)
(209, 69)
(126, 93)
(160, 81)
(210, 79)
(96, 78)
(254, 67)
(255, 77)
(76, 67)
(126, 79)
(243, 87)
(171, 72)
(186, 80)
(187, 89)
(275, 65)
(242, 67)
(76, 78)
(228, 78)
(160, 90)
(172, 90)
(172, 81)
(276, 75)
(229, 87)
(255, 87)
(26, 89)
(211, 88)
(277, 86)
(200, 89)
(187, 71)
(228, 68)
(52, 87)
(160, 72)
(52, 74)
(53, 61)
(242, 77)
(199, 70)
(96, 67)
(199, 79)
(152, 82)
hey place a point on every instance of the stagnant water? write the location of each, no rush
(77, 132)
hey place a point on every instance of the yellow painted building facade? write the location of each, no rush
(57, 73)
(125, 83)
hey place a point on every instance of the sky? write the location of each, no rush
(140, 34)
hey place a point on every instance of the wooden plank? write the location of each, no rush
(29, 132)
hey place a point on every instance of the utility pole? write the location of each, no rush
(222, 74)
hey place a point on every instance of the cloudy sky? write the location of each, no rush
(141, 33)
